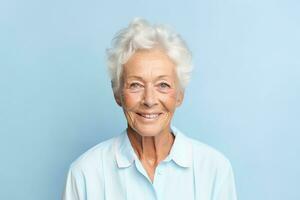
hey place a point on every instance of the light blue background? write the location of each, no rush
(56, 101)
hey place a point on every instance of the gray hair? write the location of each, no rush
(142, 35)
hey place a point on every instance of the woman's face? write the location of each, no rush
(150, 92)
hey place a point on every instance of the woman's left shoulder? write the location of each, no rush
(206, 154)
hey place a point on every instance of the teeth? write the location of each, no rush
(150, 116)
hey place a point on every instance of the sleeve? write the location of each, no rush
(75, 186)
(225, 186)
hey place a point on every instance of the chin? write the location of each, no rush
(148, 131)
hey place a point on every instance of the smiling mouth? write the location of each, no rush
(149, 116)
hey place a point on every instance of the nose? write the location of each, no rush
(149, 98)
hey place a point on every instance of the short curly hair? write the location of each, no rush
(142, 35)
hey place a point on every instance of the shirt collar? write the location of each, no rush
(123, 151)
(181, 151)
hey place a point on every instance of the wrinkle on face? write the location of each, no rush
(150, 86)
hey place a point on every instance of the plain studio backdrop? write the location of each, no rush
(56, 101)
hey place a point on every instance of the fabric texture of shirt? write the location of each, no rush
(111, 170)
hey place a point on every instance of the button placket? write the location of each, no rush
(159, 181)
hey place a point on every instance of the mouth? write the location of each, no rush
(149, 116)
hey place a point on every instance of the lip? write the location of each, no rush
(149, 116)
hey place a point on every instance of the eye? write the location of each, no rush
(135, 85)
(164, 85)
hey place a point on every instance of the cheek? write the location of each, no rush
(169, 100)
(130, 100)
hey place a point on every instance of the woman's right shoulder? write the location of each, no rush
(93, 157)
(88, 170)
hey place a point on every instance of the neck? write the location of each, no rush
(151, 149)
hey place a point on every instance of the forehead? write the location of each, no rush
(149, 63)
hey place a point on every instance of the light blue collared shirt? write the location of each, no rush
(112, 171)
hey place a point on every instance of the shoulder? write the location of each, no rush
(206, 155)
(211, 165)
(212, 170)
(201, 151)
(93, 157)
(87, 170)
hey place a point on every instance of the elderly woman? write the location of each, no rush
(150, 67)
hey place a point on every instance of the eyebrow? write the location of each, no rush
(139, 77)
(163, 76)
(133, 76)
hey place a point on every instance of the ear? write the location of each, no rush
(180, 97)
(118, 99)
